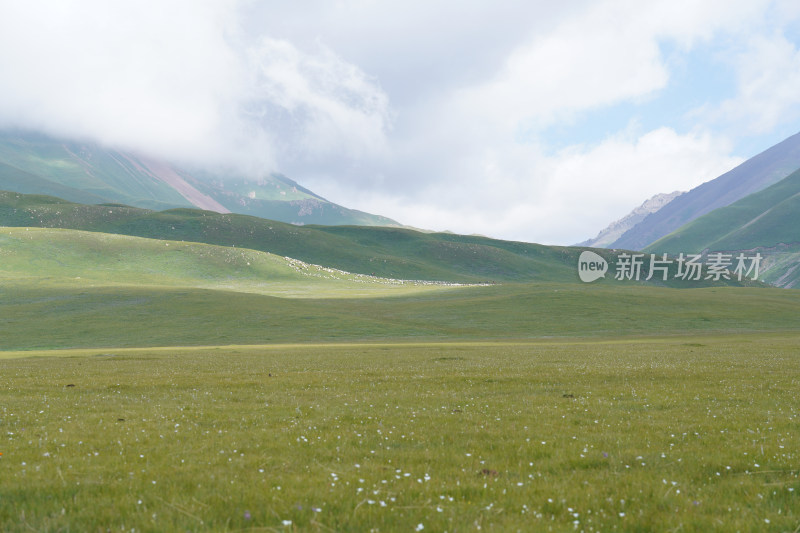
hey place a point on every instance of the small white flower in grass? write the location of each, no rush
(419, 527)
(621, 515)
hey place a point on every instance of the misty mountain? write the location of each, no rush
(87, 172)
(767, 222)
(755, 174)
(616, 229)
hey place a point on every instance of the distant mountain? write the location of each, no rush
(753, 175)
(89, 173)
(616, 229)
(767, 222)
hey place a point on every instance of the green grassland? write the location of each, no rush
(159, 384)
(48, 316)
(56, 258)
(379, 251)
(675, 434)
(385, 252)
(73, 289)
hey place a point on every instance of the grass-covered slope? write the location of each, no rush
(767, 222)
(79, 171)
(58, 258)
(385, 252)
(379, 251)
(765, 218)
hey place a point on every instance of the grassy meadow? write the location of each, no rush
(56, 259)
(674, 434)
(162, 385)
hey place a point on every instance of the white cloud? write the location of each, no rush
(588, 62)
(434, 113)
(161, 77)
(485, 169)
(564, 197)
(318, 103)
(768, 86)
(178, 79)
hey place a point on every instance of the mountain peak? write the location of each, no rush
(616, 229)
(755, 174)
(85, 172)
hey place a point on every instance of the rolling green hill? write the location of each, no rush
(65, 288)
(767, 222)
(385, 252)
(40, 257)
(86, 172)
(379, 251)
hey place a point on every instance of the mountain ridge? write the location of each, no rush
(87, 172)
(755, 174)
(766, 222)
(616, 229)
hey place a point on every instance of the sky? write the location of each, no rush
(529, 120)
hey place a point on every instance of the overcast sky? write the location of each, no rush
(528, 120)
